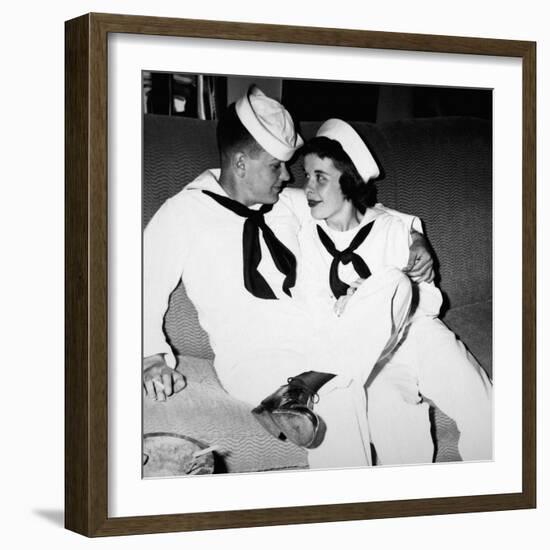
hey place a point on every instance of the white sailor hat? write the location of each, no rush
(269, 123)
(353, 145)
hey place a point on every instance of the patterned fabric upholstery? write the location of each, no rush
(175, 152)
(473, 323)
(204, 411)
(440, 170)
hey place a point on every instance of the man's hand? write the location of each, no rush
(420, 267)
(159, 380)
(341, 303)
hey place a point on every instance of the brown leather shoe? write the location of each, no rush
(288, 413)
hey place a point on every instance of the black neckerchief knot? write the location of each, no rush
(338, 287)
(283, 258)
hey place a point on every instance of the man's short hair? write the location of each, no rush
(232, 136)
(362, 194)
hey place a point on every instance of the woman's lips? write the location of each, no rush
(312, 203)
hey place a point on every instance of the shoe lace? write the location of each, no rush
(297, 383)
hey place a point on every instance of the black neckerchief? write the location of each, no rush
(283, 258)
(338, 287)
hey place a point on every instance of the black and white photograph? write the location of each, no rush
(317, 274)
(275, 275)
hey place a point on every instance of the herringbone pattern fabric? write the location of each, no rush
(204, 411)
(175, 152)
(182, 327)
(445, 434)
(473, 324)
(441, 171)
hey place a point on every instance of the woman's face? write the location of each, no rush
(323, 191)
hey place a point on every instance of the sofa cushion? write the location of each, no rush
(473, 325)
(182, 328)
(204, 411)
(440, 170)
(175, 151)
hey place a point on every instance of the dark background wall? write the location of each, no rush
(205, 96)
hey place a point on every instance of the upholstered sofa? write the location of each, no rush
(437, 168)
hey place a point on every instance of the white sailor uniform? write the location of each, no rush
(430, 363)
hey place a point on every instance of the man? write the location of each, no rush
(231, 236)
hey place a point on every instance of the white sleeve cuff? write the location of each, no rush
(163, 349)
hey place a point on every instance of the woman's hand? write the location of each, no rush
(341, 303)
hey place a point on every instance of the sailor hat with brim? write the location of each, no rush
(353, 145)
(269, 123)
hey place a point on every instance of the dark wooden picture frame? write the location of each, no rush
(86, 283)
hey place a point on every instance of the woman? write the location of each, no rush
(347, 246)
(342, 200)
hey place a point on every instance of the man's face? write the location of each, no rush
(265, 178)
(323, 190)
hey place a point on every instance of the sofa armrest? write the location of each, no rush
(205, 411)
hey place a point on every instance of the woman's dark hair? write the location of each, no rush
(362, 194)
(233, 136)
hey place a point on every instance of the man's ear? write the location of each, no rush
(238, 162)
